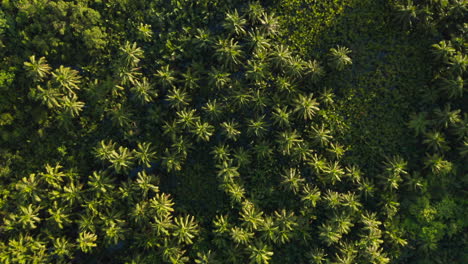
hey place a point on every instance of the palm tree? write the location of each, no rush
(329, 234)
(178, 98)
(255, 11)
(310, 196)
(50, 97)
(256, 70)
(234, 23)
(100, 182)
(190, 79)
(454, 87)
(143, 91)
(185, 229)
(251, 216)
(67, 78)
(187, 118)
(87, 241)
(218, 78)
(72, 106)
(37, 69)
(203, 131)
(437, 164)
(231, 130)
(165, 76)
(443, 50)
(292, 180)
(314, 69)
(162, 204)
(241, 235)
(407, 14)
(321, 135)
(257, 41)
(269, 24)
(131, 54)
(464, 148)
(419, 122)
(447, 117)
(339, 58)
(213, 109)
(203, 39)
(228, 52)
(458, 63)
(295, 67)
(327, 96)
(145, 154)
(121, 160)
(257, 127)
(436, 141)
(260, 253)
(334, 172)
(287, 141)
(306, 106)
(281, 56)
(281, 116)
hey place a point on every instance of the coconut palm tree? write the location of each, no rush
(407, 14)
(321, 135)
(37, 69)
(121, 159)
(260, 253)
(67, 79)
(339, 58)
(131, 54)
(458, 63)
(165, 76)
(292, 180)
(145, 154)
(419, 122)
(50, 97)
(287, 141)
(443, 50)
(187, 118)
(269, 24)
(234, 23)
(202, 130)
(454, 87)
(143, 91)
(185, 229)
(436, 141)
(228, 52)
(231, 130)
(314, 69)
(306, 106)
(446, 117)
(72, 106)
(281, 116)
(257, 41)
(257, 127)
(178, 98)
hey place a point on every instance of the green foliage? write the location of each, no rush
(233, 132)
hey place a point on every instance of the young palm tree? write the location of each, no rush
(251, 216)
(310, 196)
(257, 127)
(339, 58)
(234, 23)
(306, 106)
(438, 165)
(458, 63)
(321, 135)
(281, 56)
(213, 109)
(121, 160)
(145, 154)
(72, 106)
(37, 69)
(257, 41)
(187, 118)
(218, 78)
(190, 79)
(241, 235)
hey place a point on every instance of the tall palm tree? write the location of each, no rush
(50, 97)
(37, 69)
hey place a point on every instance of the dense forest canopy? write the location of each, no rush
(198, 131)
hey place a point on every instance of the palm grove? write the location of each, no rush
(193, 133)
